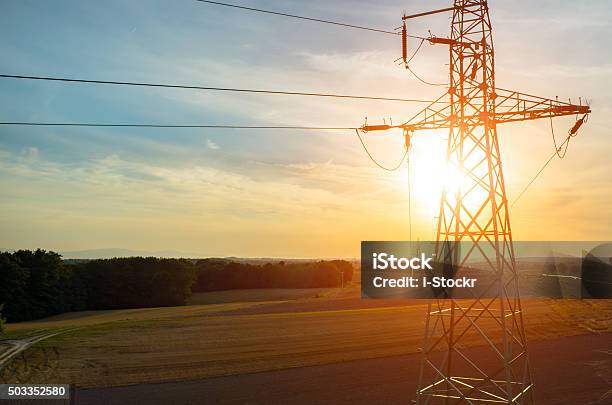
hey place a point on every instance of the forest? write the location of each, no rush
(37, 284)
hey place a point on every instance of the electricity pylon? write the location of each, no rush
(474, 214)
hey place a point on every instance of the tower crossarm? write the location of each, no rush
(510, 106)
(435, 115)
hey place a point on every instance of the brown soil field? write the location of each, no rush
(581, 376)
(262, 294)
(115, 348)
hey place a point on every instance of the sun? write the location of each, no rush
(428, 172)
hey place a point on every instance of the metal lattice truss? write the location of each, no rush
(510, 106)
(474, 227)
(474, 350)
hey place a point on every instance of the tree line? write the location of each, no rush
(219, 274)
(36, 284)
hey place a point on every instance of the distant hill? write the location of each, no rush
(109, 253)
(118, 252)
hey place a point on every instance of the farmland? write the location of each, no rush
(291, 329)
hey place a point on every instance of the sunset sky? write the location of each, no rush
(276, 193)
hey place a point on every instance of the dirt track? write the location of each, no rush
(569, 370)
(18, 346)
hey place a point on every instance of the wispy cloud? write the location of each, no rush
(256, 197)
(212, 145)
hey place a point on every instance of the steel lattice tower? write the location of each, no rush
(476, 214)
(474, 223)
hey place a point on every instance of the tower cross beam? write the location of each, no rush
(510, 106)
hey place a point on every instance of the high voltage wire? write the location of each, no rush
(407, 64)
(423, 80)
(558, 152)
(228, 89)
(389, 169)
(304, 18)
(550, 159)
(87, 124)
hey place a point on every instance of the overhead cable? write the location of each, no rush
(87, 124)
(278, 13)
(389, 169)
(192, 87)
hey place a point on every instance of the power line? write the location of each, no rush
(409, 195)
(416, 51)
(407, 64)
(87, 124)
(389, 169)
(425, 81)
(550, 159)
(359, 27)
(558, 148)
(191, 87)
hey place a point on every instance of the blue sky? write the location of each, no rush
(274, 193)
